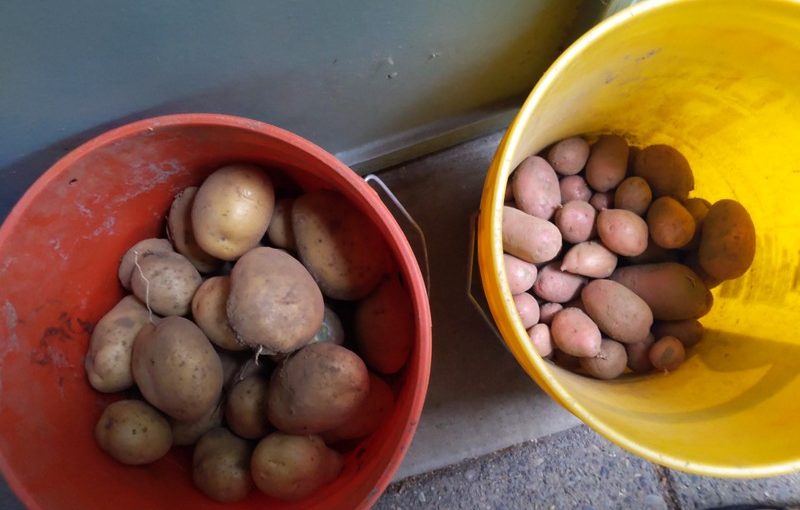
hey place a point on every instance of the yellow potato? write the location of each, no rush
(181, 232)
(291, 468)
(339, 245)
(221, 466)
(189, 432)
(375, 409)
(133, 432)
(728, 242)
(246, 408)
(108, 360)
(536, 189)
(384, 327)
(273, 301)
(166, 282)
(209, 312)
(232, 210)
(137, 253)
(317, 389)
(177, 369)
(608, 163)
(280, 231)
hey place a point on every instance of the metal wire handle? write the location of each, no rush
(378, 185)
(479, 302)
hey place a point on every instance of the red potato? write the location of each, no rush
(574, 187)
(521, 275)
(547, 311)
(536, 190)
(556, 285)
(530, 238)
(728, 241)
(575, 333)
(672, 291)
(698, 208)
(602, 201)
(576, 221)
(639, 355)
(541, 340)
(609, 363)
(691, 260)
(665, 170)
(633, 194)
(568, 157)
(608, 163)
(669, 223)
(527, 308)
(653, 254)
(667, 354)
(589, 259)
(617, 311)
(688, 331)
(622, 232)
(384, 327)
(566, 361)
(575, 303)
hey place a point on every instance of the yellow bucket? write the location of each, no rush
(720, 81)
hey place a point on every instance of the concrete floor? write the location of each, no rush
(578, 469)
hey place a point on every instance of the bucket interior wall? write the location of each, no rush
(720, 81)
(59, 252)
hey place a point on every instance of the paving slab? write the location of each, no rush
(574, 469)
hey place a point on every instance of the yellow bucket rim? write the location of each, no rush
(495, 284)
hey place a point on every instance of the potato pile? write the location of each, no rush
(320, 299)
(609, 260)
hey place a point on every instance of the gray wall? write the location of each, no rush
(365, 79)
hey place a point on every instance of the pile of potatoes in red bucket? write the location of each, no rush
(263, 330)
(609, 259)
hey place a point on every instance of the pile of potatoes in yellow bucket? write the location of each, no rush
(264, 331)
(609, 259)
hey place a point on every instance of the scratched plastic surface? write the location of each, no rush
(719, 80)
(59, 250)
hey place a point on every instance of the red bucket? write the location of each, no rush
(59, 251)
